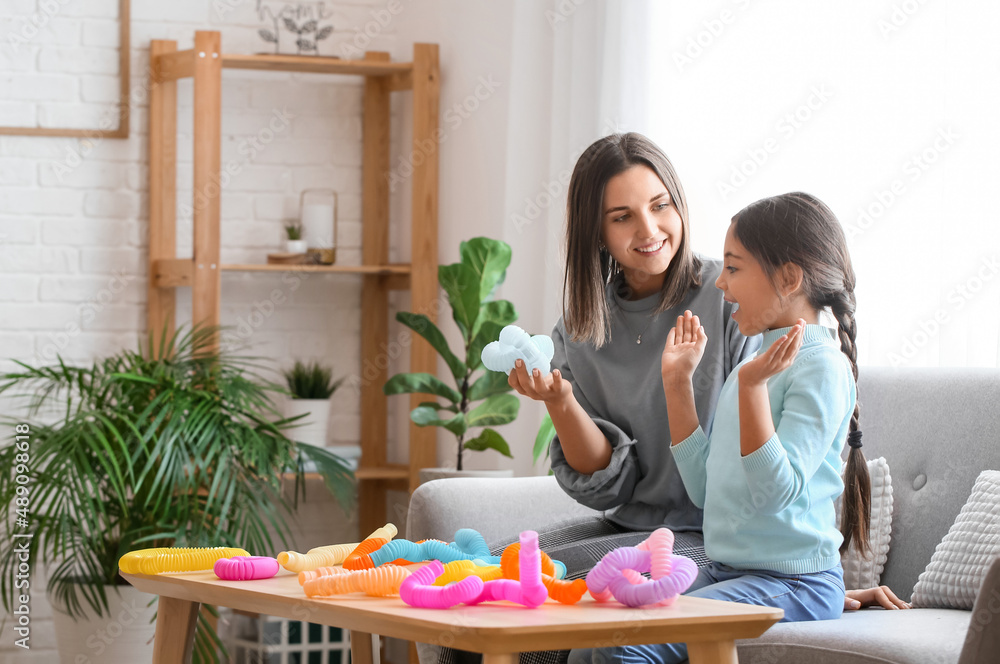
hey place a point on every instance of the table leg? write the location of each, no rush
(361, 647)
(506, 658)
(174, 639)
(712, 652)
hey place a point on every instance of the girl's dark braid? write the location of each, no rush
(856, 519)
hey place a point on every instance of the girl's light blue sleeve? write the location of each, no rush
(606, 488)
(817, 407)
(691, 455)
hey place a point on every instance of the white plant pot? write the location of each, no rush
(125, 634)
(296, 246)
(428, 474)
(312, 428)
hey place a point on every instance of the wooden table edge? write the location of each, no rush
(493, 642)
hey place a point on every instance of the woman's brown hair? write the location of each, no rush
(589, 266)
(800, 229)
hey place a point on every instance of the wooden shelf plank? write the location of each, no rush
(390, 472)
(391, 268)
(314, 64)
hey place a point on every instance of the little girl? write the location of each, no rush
(769, 473)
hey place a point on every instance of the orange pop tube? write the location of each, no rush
(360, 557)
(309, 575)
(377, 582)
(561, 590)
(175, 559)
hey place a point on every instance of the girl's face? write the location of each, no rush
(744, 282)
(641, 228)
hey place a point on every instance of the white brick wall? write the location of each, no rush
(74, 218)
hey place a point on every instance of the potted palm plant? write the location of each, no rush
(310, 386)
(172, 445)
(479, 399)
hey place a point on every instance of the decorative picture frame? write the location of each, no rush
(124, 107)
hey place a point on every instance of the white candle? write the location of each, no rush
(317, 222)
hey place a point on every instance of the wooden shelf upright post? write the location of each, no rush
(161, 301)
(206, 284)
(424, 244)
(374, 297)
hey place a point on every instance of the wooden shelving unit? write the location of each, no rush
(203, 273)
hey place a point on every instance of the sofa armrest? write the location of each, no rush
(982, 641)
(497, 508)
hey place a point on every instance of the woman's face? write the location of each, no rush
(641, 228)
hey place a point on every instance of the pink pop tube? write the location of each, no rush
(245, 568)
(529, 590)
(417, 590)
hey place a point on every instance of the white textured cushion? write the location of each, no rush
(959, 564)
(862, 571)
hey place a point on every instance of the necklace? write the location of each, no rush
(638, 337)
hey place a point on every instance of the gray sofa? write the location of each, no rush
(937, 428)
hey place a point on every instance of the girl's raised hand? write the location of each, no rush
(684, 348)
(549, 388)
(777, 358)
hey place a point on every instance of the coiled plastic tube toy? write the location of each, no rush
(459, 569)
(175, 559)
(381, 581)
(359, 558)
(320, 556)
(245, 568)
(566, 592)
(418, 589)
(472, 543)
(529, 590)
(311, 574)
(672, 576)
(414, 552)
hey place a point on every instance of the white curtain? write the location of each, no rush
(577, 73)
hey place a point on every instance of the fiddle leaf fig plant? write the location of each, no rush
(479, 398)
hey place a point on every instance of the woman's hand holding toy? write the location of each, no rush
(516, 344)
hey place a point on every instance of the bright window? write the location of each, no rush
(888, 111)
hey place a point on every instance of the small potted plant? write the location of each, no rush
(310, 386)
(480, 398)
(294, 244)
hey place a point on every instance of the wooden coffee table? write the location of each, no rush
(499, 630)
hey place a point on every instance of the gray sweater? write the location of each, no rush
(620, 387)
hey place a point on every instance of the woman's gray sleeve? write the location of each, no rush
(610, 486)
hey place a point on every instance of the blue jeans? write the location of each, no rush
(818, 596)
